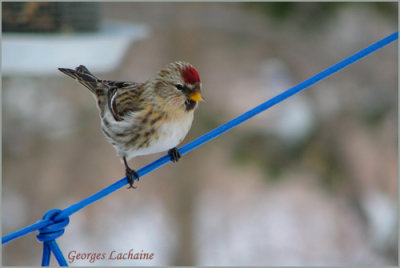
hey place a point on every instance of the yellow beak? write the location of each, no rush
(195, 96)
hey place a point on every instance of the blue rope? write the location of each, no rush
(54, 221)
(48, 235)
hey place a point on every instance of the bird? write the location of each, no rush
(145, 118)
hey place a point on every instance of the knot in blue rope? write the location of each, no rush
(54, 229)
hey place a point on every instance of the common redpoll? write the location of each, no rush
(145, 118)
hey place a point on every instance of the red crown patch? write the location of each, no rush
(190, 75)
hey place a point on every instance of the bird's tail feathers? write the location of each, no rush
(95, 85)
(86, 78)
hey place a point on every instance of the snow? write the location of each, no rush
(41, 54)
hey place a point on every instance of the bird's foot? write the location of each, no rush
(175, 155)
(131, 175)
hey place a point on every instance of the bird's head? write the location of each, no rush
(180, 83)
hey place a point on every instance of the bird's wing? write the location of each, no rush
(124, 98)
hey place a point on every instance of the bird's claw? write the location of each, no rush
(131, 175)
(175, 155)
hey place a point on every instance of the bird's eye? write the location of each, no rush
(179, 86)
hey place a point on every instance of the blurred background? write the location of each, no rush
(312, 181)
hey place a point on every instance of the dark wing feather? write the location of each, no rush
(124, 98)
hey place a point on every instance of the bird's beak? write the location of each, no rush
(195, 96)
